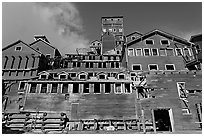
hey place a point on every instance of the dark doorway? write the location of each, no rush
(162, 120)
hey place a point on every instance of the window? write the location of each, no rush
(73, 74)
(149, 42)
(87, 64)
(185, 111)
(107, 88)
(127, 88)
(131, 52)
(146, 52)
(164, 42)
(117, 65)
(54, 88)
(86, 88)
(48, 56)
(33, 88)
(121, 76)
(153, 67)
(82, 76)
(169, 67)
(75, 87)
(74, 64)
(104, 64)
(78, 64)
(63, 76)
(154, 52)
(43, 76)
(118, 88)
(138, 52)
(99, 65)
(133, 37)
(64, 88)
(170, 52)
(43, 88)
(120, 30)
(179, 52)
(97, 88)
(114, 30)
(136, 67)
(104, 30)
(162, 52)
(91, 64)
(187, 52)
(18, 48)
(90, 74)
(102, 76)
(21, 86)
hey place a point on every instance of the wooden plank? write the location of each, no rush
(153, 121)
(143, 122)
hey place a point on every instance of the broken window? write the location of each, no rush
(97, 88)
(33, 88)
(107, 87)
(153, 67)
(75, 87)
(179, 52)
(121, 76)
(170, 52)
(127, 88)
(131, 52)
(64, 88)
(164, 42)
(138, 52)
(162, 52)
(118, 88)
(43, 88)
(136, 67)
(86, 88)
(154, 52)
(22, 85)
(146, 52)
(54, 88)
(149, 42)
(169, 67)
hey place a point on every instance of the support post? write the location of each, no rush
(143, 121)
(153, 121)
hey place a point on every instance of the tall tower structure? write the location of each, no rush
(112, 33)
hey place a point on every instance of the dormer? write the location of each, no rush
(43, 75)
(83, 75)
(63, 75)
(121, 76)
(102, 75)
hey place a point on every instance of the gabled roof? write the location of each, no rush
(43, 42)
(161, 33)
(43, 72)
(36, 37)
(136, 32)
(17, 42)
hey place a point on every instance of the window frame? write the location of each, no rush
(62, 75)
(40, 77)
(140, 50)
(81, 75)
(52, 88)
(152, 65)
(138, 65)
(121, 85)
(41, 88)
(149, 40)
(19, 86)
(120, 75)
(172, 65)
(164, 40)
(170, 49)
(144, 52)
(177, 52)
(188, 51)
(17, 47)
(130, 88)
(164, 50)
(156, 50)
(133, 52)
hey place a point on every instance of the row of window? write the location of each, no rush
(91, 64)
(83, 76)
(159, 52)
(153, 67)
(113, 30)
(86, 88)
(93, 57)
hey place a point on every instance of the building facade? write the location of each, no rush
(139, 82)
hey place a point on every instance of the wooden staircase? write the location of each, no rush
(40, 122)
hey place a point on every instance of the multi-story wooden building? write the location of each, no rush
(145, 83)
